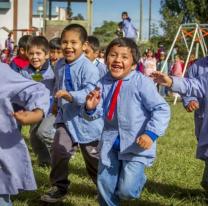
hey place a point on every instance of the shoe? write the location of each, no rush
(53, 195)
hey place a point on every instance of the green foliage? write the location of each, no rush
(78, 17)
(106, 33)
(173, 180)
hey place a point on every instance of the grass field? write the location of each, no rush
(173, 180)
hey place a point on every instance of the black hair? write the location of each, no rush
(182, 57)
(160, 44)
(15, 46)
(77, 28)
(40, 42)
(102, 50)
(94, 43)
(55, 43)
(125, 42)
(177, 55)
(125, 13)
(23, 41)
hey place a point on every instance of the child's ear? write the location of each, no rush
(47, 56)
(133, 67)
(22, 51)
(84, 46)
(96, 54)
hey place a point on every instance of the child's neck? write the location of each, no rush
(23, 57)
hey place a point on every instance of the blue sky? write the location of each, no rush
(111, 10)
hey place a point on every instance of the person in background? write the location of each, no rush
(173, 53)
(14, 53)
(128, 27)
(101, 56)
(191, 60)
(92, 52)
(160, 46)
(3, 55)
(55, 51)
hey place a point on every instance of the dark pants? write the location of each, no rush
(62, 150)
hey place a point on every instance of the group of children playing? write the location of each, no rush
(70, 98)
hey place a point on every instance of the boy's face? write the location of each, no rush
(124, 16)
(176, 59)
(72, 46)
(192, 58)
(37, 57)
(90, 54)
(120, 62)
(149, 53)
(55, 55)
(162, 57)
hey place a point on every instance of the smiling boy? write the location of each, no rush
(135, 115)
(75, 78)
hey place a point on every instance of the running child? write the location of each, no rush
(75, 76)
(92, 52)
(134, 114)
(16, 169)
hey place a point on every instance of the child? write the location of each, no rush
(119, 31)
(160, 46)
(101, 56)
(128, 138)
(191, 60)
(39, 69)
(75, 78)
(196, 87)
(15, 164)
(3, 55)
(165, 70)
(18, 63)
(149, 64)
(55, 51)
(13, 54)
(92, 51)
(176, 69)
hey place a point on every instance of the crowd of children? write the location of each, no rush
(73, 93)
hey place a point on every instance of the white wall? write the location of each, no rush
(23, 16)
(6, 20)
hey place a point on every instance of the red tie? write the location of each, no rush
(114, 100)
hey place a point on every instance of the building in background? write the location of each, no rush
(15, 14)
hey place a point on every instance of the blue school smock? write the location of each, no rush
(196, 87)
(16, 171)
(78, 78)
(129, 28)
(140, 108)
(102, 68)
(198, 68)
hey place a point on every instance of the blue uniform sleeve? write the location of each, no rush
(25, 92)
(14, 67)
(196, 87)
(156, 105)
(192, 73)
(89, 77)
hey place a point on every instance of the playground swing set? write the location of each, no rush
(9, 40)
(196, 32)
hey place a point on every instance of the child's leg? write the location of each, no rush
(90, 153)
(5, 200)
(39, 147)
(62, 150)
(131, 180)
(108, 181)
(204, 182)
(45, 130)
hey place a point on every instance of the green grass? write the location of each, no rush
(173, 180)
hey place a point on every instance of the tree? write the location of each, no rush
(78, 17)
(106, 32)
(154, 30)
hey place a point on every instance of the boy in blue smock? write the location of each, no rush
(92, 52)
(196, 87)
(39, 70)
(75, 77)
(135, 115)
(15, 165)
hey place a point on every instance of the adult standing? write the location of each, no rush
(128, 27)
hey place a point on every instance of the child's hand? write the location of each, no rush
(192, 106)
(54, 108)
(93, 99)
(28, 117)
(144, 141)
(64, 94)
(161, 79)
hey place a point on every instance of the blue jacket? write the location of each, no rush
(139, 109)
(129, 28)
(102, 68)
(196, 87)
(198, 68)
(78, 78)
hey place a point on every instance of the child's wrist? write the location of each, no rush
(171, 82)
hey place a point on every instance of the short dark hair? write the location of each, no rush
(40, 42)
(103, 50)
(23, 41)
(125, 42)
(55, 43)
(125, 13)
(94, 43)
(177, 55)
(77, 28)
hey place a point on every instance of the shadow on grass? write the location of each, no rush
(172, 191)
